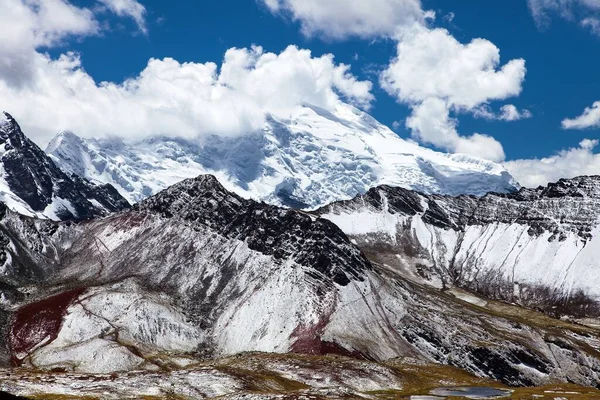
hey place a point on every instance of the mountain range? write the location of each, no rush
(307, 161)
(192, 289)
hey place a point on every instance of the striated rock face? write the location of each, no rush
(33, 185)
(537, 247)
(197, 271)
(272, 231)
(304, 162)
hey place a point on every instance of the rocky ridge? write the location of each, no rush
(535, 247)
(33, 185)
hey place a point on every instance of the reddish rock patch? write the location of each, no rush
(308, 338)
(334, 348)
(308, 341)
(37, 322)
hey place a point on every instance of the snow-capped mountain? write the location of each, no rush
(31, 184)
(197, 271)
(313, 158)
(537, 247)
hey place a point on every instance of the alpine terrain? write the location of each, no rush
(310, 160)
(198, 291)
(198, 272)
(33, 185)
(536, 247)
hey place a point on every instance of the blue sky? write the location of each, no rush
(560, 45)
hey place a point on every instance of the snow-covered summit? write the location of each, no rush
(305, 161)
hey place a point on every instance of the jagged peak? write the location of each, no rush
(204, 181)
(9, 125)
(580, 186)
(197, 186)
(5, 116)
(203, 191)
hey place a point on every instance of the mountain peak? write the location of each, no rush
(6, 117)
(33, 185)
(9, 127)
(64, 139)
(310, 159)
(203, 192)
(581, 186)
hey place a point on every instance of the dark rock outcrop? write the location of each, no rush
(34, 178)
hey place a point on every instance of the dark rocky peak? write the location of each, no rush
(578, 187)
(48, 191)
(9, 128)
(192, 198)
(582, 186)
(282, 233)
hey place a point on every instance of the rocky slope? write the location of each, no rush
(312, 159)
(537, 247)
(197, 271)
(33, 185)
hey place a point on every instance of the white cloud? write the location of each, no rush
(431, 123)
(179, 99)
(589, 119)
(508, 112)
(339, 19)
(585, 12)
(30, 25)
(432, 63)
(435, 75)
(128, 8)
(568, 163)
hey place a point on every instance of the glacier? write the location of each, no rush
(311, 159)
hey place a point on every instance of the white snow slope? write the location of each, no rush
(537, 247)
(310, 160)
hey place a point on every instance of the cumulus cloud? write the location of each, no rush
(30, 25)
(509, 112)
(589, 119)
(585, 12)
(435, 75)
(128, 8)
(431, 123)
(168, 97)
(567, 163)
(179, 99)
(339, 19)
